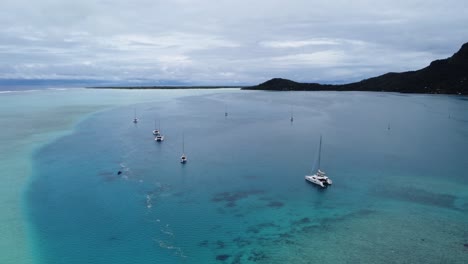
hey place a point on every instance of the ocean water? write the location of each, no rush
(400, 195)
(33, 118)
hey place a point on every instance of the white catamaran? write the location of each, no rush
(159, 138)
(319, 177)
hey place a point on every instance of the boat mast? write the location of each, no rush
(183, 144)
(135, 119)
(320, 151)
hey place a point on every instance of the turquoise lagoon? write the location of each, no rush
(400, 195)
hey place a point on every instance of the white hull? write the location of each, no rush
(320, 180)
(159, 138)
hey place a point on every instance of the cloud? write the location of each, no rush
(297, 43)
(212, 42)
(176, 40)
(318, 59)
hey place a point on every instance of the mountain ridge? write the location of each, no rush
(443, 76)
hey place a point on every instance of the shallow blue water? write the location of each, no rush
(242, 198)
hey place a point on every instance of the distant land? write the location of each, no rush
(164, 87)
(446, 76)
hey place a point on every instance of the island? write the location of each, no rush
(446, 76)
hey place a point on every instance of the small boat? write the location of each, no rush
(319, 178)
(292, 117)
(183, 158)
(135, 119)
(156, 130)
(225, 111)
(159, 137)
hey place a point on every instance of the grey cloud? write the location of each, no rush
(208, 42)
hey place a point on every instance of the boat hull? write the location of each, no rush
(318, 180)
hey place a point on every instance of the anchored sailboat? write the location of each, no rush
(319, 177)
(135, 119)
(156, 130)
(292, 117)
(183, 158)
(159, 137)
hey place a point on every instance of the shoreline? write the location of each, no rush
(17, 242)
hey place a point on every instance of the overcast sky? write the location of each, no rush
(225, 41)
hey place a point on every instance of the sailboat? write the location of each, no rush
(225, 111)
(159, 137)
(319, 177)
(135, 119)
(156, 130)
(292, 118)
(183, 158)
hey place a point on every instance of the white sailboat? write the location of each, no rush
(225, 111)
(292, 117)
(183, 158)
(159, 137)
(135, 119)
(156, 130)
(319, 177)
